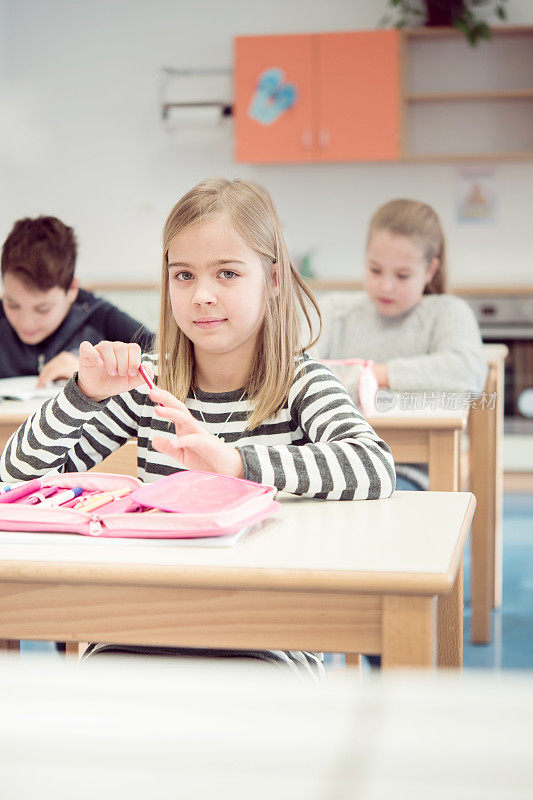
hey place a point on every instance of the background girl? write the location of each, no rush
(419, 338)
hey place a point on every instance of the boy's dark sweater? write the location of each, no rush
(90, 319)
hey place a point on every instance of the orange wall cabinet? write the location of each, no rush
(265, 137)
(318, 97)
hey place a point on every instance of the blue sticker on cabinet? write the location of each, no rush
(271, 96)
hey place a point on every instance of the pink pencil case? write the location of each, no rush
(187, 504)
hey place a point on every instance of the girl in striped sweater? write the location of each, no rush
(235, 392)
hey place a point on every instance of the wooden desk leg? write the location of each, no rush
(444, 455)
(409, 632)
(497, 476)
(10, 646)
(353, 660)
(450, 625)
(75, 650)
(485, 465)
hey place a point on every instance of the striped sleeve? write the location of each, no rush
(69, 433)
(340, 458)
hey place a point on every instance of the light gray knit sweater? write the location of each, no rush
(434, 347)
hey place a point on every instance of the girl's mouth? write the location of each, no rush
(207, 324)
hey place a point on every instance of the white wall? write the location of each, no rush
(81, 138)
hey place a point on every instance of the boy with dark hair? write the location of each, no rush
(44, 315)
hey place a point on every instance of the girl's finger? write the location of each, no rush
(168, 447)
(134, 359)
(109, 359)
(164, 398)
(89, 353)
(179, 416)
(122, 358)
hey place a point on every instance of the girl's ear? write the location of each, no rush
(274, 281)
(432, 269)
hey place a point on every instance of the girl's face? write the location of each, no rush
(396, 272)
(217, 289)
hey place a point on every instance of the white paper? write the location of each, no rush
(24, 537)
(25, 388)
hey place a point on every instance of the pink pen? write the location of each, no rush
(147, 379)
(40, 496)
(21, 491)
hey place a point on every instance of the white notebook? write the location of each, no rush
(25, 388)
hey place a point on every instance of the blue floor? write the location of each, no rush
(512, 624)
(512, 641)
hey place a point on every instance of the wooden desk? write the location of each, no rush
(434, 437)
(425, 435)
(337, 576)
(486, 482)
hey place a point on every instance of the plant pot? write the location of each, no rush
(443, 12)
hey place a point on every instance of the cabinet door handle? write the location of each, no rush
(307, 139)
(324, 138)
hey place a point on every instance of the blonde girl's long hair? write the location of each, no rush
(418, 221)
(249, 210)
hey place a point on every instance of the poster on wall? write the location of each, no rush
(476, 195)
(272, 96)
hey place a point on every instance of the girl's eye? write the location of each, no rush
(183, 276)
(374, 271)
(403, 277)
(228, 274)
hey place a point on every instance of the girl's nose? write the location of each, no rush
(204, 295)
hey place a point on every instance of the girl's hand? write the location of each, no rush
(108, 368)
(62, 366)
(194, 447)
(382, 375)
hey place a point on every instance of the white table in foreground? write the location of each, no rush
(337, 576)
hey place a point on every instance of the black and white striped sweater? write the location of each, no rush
(318, 445)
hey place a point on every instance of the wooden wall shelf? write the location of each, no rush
(464, 103)
(447, 97)
(386, 95)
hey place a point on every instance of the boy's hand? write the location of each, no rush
(62, 367)
(108, 368)
(194, 447)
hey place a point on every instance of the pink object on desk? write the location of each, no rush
(40, 496)
(21, 491)
(367, 384)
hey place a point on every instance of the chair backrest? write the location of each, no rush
(122, 461)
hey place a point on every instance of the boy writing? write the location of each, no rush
(44, 315)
